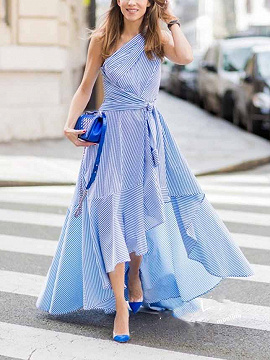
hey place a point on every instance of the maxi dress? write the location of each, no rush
(145, 199)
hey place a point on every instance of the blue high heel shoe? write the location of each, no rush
(122, 337)
(135, 305)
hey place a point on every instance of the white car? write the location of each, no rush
(220, 72)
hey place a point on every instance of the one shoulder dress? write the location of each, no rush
(145, 199)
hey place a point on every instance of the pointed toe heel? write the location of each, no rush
(135, 306)
(123, 337)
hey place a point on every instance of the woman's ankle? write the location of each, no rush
(133, 272)
(121, 304)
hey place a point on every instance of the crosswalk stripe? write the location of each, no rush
(24, 341)
(27, 245)
(32, 199)
(233, 178)
(61, 198)
(262, 274)
(30, 285)
(51, 219)
(20, 283)
(54, 189)
(238, 200)
(47, 247)
(31, 217)
(214, 312)
(252, 241)
(233, 314)
(242, 217)
(259, 190)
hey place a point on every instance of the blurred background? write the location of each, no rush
(43, 53)
(217, 109)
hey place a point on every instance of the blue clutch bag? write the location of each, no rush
(95, 123)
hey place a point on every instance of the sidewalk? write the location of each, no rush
(210, 145)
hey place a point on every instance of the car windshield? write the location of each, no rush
(193, 66)
(263, 64)
(235, 59)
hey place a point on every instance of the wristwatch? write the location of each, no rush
(176, 21)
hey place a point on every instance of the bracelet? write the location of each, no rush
(176, 21)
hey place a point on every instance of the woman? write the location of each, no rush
(146, 231)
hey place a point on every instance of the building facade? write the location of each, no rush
(42, 56)
(205, 20)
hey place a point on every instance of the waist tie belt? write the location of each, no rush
(128, 103)
(134, 104)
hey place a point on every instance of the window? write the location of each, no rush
(249, 66)
(267, 4)
(5, 12)
(235, 59)
(263, 64)
(249, 7)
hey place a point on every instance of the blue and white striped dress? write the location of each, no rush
(144, 199)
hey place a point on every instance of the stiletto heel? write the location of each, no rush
(122, 337)
(135, 305)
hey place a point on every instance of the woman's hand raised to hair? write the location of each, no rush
(72, 135)
(166, 12)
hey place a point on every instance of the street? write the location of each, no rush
(205, 91)
(235, 323)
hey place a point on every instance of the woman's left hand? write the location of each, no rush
(166, 12)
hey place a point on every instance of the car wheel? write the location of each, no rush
(236, 117)
(253, 126)
(221, 110)
(200, 101)
(205, 104)
(227, 105)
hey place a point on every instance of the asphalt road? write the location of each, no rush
(235, 323)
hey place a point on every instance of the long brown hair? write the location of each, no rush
(112, 27)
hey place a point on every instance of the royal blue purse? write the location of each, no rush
(95, 124)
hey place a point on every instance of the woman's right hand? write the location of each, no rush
(72, 135)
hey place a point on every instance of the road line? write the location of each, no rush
(52, 219)
(242, 217)
(263, 190)
(31, 217)
(27, 245)
(35, 246)
(25, 342)
(238, 200)
(230, 179)
(233, 314)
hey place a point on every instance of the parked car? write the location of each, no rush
(165, 72)
(252, 96)
(182, 81)
(220, 71)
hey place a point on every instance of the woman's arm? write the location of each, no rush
(176, 47)
(84, 91)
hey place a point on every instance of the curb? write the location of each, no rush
(12, 183)
(246, 165)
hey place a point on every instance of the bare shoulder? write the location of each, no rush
(95, 47)
(97, 36)
(96, 40)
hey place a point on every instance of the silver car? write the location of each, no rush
(220, 72)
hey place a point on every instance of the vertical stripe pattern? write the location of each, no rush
(145, 199)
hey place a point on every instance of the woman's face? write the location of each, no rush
(133, 9)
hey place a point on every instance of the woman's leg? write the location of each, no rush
(134, 282)
(121, 320)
